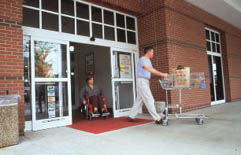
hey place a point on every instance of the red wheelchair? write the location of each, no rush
(88, 111)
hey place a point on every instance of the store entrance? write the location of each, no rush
(89, 60)
(113, 71)
(56, 70)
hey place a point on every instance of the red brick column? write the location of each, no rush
(11, 53)
(187, 22)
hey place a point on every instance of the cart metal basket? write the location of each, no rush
(178, 82)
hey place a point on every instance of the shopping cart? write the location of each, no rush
(196, 80)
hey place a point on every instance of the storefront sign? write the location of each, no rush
(125, 65)
(51, 101)
(89, 64)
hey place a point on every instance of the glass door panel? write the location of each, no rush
(27, 79)
(124, 95)
(215, 66)
(123, 82)
(50, 60)
(50, 97)
(218, 75)
(216, 79)
(50, 84)
(210, 62)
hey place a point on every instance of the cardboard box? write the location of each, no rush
(181, 78)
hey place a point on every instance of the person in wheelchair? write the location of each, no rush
(91, 95)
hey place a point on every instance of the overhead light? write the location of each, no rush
(71, 48)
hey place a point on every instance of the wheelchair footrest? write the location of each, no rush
(95, 115)
(105, 114)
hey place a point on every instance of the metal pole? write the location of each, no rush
(180, 101)
(166, 105)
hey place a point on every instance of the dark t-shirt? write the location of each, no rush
(88, 91)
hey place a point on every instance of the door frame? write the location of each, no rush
(50, 122)
(122, 112)
(212, 54)
(63, 37)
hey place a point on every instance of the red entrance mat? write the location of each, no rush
(101, 125)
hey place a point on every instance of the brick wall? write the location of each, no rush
(179, 27)
(186, 24)
(11, 53)
(173, 27)
(233, 44)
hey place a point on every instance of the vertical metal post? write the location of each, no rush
(180, 101)
(166, 107)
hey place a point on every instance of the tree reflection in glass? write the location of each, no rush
(48, 59)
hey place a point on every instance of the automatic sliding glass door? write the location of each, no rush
(123, 82)
(50, 83)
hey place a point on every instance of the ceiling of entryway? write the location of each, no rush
(228, 10)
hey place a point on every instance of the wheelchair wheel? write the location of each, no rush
(89, 117)
(106, 117)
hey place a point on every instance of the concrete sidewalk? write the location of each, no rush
(220, 135)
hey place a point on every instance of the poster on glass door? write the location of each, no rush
(125, 65)
(51, 101)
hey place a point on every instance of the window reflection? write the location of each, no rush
(27, 80)
(50, 96)
(48, 60)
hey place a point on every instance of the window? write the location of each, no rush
(68, 25)
(50, 21)
(45, 67)
(109, 17)
(52, 5)
(83, 19)
(121, 35)
(83, 28)
(82, 11)
(96, 14)
(97, 30)
(130, 23)
(67, 7)
(109, 33)
(213, 41)
(33, 3)
(30, 17)
(120, 20)
(131, 36)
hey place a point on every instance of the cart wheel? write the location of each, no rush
(165, 123)
(199, 121)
